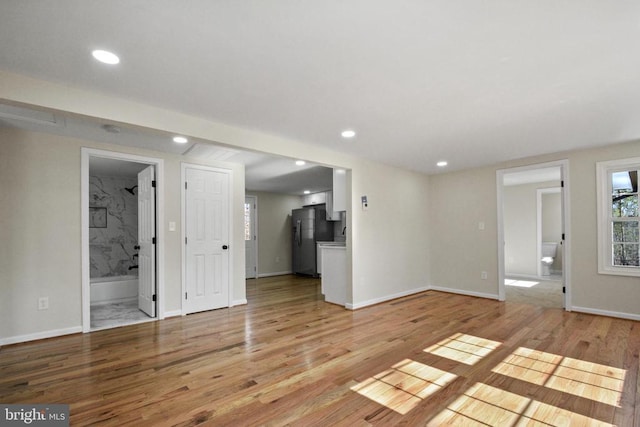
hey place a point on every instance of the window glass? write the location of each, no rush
(618, 217)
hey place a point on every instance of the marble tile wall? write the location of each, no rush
(112, 248)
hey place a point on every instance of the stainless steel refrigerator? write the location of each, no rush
(310, 225)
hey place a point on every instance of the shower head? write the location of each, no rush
(130, 190)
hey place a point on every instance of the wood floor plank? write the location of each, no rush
(289, 358)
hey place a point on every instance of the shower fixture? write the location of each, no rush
(130, 190)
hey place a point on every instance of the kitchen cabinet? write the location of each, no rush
(332, 213)
(334, 274)
(322, 198)
(314, 199)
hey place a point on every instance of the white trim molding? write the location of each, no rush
(465, 292)
(604, 171)
(86, 154)
(608, 313)
(566, 224)
(385, 298)
(40, 335)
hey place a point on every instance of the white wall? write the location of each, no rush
(274, 231)
(460, 251)
(40, 228)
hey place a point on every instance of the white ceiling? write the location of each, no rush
(470, 82)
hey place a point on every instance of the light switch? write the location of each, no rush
(481, 225)
(172, 226)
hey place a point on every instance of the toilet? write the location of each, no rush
(548, 254)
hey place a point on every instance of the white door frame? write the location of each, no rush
(254, 225)
(566, 221)
(183, 212)
(86, 153)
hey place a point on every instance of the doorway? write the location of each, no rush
(121, 205)
(533, 222)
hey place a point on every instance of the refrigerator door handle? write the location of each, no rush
(299, 232)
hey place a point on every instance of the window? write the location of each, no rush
(618, 217)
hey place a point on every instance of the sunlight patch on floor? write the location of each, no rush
(404, 386)
(463, 348)
(585, 379)
(484, 404)
(520, 283)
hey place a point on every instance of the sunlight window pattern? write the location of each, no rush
(585, 379)
(463, 348)
(404, 386)
(484, 404)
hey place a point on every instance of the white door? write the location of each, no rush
(250, 237)
(206, 239)
(146, 241)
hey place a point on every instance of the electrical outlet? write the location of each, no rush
(43, 303)
(483, 275)
(277, 259)
(481, 225)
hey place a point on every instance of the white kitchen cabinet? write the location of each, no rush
(334, 274)
(332, 214)
(314, 199)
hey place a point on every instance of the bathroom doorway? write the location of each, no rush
(120, 280)
(532, 226)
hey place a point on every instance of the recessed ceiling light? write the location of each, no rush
(300, 162)
(442, 163)
(307, 192)
(348, 133)
(180, 140)
(106, 57)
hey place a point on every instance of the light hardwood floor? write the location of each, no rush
(288, 358)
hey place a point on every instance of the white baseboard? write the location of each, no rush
(464, 292)
(239, 302)
(598, 312)
(385, 298)
(172, 313)
(277, 273)
(40, 335)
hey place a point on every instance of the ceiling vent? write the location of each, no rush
(11, 112)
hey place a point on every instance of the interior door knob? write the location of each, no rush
(225, 247)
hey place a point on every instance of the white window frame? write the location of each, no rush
(604, 170)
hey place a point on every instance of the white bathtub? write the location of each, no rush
(111, 289)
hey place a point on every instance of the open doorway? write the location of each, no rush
(120, 212)
(532, 226)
